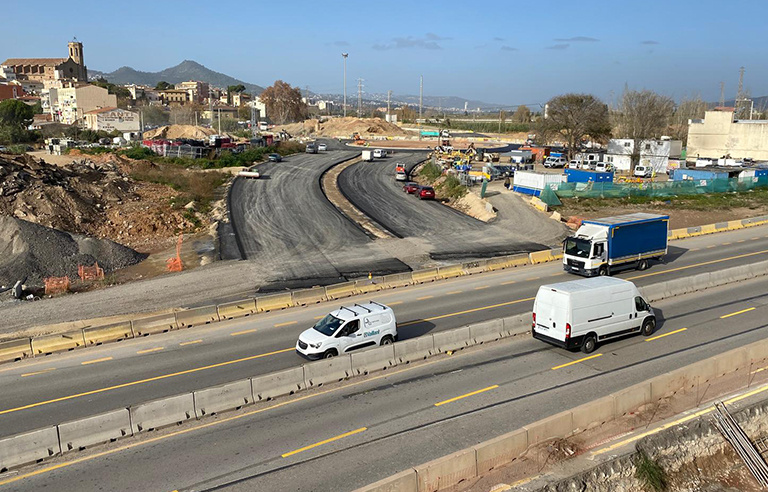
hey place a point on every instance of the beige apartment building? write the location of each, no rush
(719, 134)
(69, 104)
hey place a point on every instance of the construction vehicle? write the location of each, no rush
(358, 139)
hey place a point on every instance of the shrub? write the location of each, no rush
(431, 171)
(452, 188)
(650, 473)
(138, 153)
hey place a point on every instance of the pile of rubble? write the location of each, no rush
(344, 127)
(172, 132)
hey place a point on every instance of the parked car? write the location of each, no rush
(555, 162)
(411, 188)
(275, 157)
(322, 147)
(426, 193)
(574, 164)
(604, 167)
(642, 171)
(311, 149)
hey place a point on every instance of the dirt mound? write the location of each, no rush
(344, 127)
(172, 132)
(34, 252)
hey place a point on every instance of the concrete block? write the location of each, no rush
(309, 296)
(109, 333)
(450, 340)
(731, 361)
(15, 349)
(678, 233)
(708, 229)
(374, 284)
(487, 331)
(630, 399)
(447, 471)
(230, 396)
(501, 450)
(518, 324)
(592, 414)
(376, 359)
(160, 413)
(154, 324)
(237, 309)
(473, 267)
(427, 275)
(757, 354)
(280, 383)
(326, 371)
(653, 292)
(29, 447)
(556, 253)
(518, 260)
(405, 481)
(540, 257)
(274, 302)
(734, 225)
(670, 383)
(58, 343)
(96, 429)
(558, 425)
(338, 291)
(198, 316)
(721, 226)
(398, 280)
(450, 271)
(694, 231)
(414, 349)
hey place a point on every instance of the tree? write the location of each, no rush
(573, 117)
(163, 85)
(688, 109)
(244, 112)
(283, 103)
(406, 114)
(642, 115)
(154, 115)
(15, 117)
(522, 114)
(235, 88)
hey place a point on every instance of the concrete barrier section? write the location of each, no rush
(374, 284)
(280, 383)
(309, 296)
(556, 253)
(237, 309)
(540, 257)
(274, 302)
(29, 447)
(487, 331)
(197, 316)
(405, 481)
(447, 471)
(414, 349)
(558, 425)
(519, 324)
(377, 359)
(473, 267)
(58, 343)
(708, 229)
(721, 226)
(398, 280)
(450, 271)
(97, 429)
(670, 383)
(630, 399)
(731, 361)
(593, 414)
(109, 333)
(15, 349)
(338, 291)
(154, 324)
(326, 371)
(230, 396)
(160, 413)
(734, 225)
(428, 275)
(501, 450)
(451, 340)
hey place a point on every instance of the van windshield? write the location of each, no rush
(328, 325)
(577, 247)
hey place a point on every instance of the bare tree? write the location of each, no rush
(283, 102)
(522, 114)
(573, 117)
(688, 109)
(642, 115)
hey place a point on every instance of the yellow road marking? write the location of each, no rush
(454, 292)
(465, 312)
(143, 381)
(38, 372)
(424, 298)
(244, 332)
(576, 361)
(737, 312)
(190, 343)
(711, 262)
(395, 303)
(489, 388)
(741, 240)
(726, 244)
(509, 282)
(532, 278)
(156, 349)
(754, 238)
(482, 287)
(711, 246)
(693, 249)
(311, 446)
(94, 361)
(278, 325)
(665, 335)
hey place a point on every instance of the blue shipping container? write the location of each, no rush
(698, 174)
(586, 175)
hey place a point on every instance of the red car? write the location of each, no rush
(411, 188)
(426, 193)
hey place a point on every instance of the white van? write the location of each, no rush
(347, 329)
(581, 313)
(643, 171)
(379, 153)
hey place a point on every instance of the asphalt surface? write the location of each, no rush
(439, 230)
(62, 387)
(345, 436)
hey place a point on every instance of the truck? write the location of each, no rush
(604, 246)
(367, 155)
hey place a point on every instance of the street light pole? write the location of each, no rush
(345, 55)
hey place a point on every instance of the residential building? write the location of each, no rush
(198, 91)
(325, 106)
(257, 102)
(223, 111)
(240, 99)
(69, 104)
(7, 74)
(48, 71)
(174, 97)
(111, 119)
(654, 153)
(10, 91)
(720, 134)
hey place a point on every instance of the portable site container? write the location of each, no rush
(532, 183)
(585, 176)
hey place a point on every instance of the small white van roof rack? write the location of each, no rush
(358, 305)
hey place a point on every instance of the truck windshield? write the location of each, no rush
(328, 325)
(577, 247)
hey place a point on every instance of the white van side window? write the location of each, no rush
(640, 304)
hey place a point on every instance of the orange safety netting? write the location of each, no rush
(174, 264)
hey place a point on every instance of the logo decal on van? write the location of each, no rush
(372, 333)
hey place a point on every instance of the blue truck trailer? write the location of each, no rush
(603, 246)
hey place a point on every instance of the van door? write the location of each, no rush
(351, 337)
(551, 314)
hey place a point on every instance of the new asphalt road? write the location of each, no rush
(344, 436)
(61, 387)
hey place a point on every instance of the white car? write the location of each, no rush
(401, 176)
(347, 329)
(322, 147)
(379, 153)
(603, 167)
(642, 171)
(249, 173)
(555, 162)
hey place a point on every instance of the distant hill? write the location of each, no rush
(184, 71)
(761, 103)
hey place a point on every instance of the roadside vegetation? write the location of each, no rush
(752, 199)
(650, 473)
(448, 187)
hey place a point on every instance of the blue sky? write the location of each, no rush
(507, 52)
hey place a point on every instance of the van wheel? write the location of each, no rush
(648, 326)
(603, 271)
(329, 354)
(387, 340)
(589, 344)
(642, 265)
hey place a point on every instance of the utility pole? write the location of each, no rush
(389, 101)
(254, 124)
(210, 108)
(421, 100)
(219, 121)
(345, 55)
(359, 96)
(722, 94)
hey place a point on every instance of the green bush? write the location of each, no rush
(138, 153)
(650, 473)
(431, 171)
(452, 188)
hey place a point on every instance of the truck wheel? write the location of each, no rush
(648, 326)
(642, 265)
(329, 354)
(603, 271)
(387, 340)
(589, 344)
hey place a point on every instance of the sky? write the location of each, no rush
(504, 52)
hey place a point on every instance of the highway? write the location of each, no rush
(341, 437)
(61, 387)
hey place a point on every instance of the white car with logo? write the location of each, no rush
(347, 329)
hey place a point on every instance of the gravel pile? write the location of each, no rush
(35, 252)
